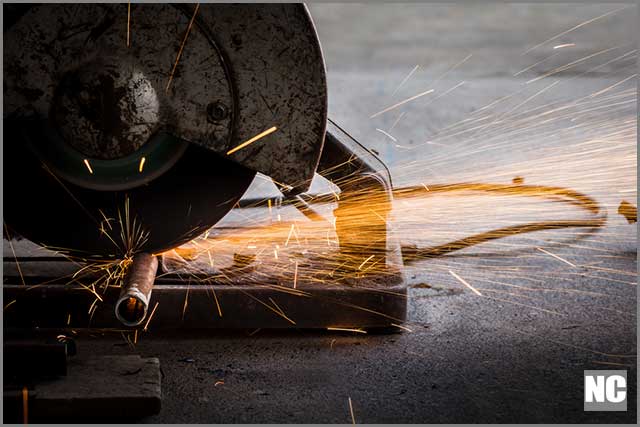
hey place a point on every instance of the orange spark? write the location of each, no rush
(286, 243)
(252, 140)
(574, 28)
(556, 257)
(86, 162)
(464, 282)
(353, 418)
(387, 135)
(184, 41)
(150, 316)
(560, 46)
(405, 79)
(401, 103)
(402, 327)
(25, 405)
(364, 262)
(360, 331)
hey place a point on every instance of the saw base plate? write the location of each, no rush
(50, 298)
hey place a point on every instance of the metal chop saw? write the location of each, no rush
(176, 108)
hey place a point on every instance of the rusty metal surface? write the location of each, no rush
(131, 307)
(106, 109)
(51, 44)
(243, 69)
(193, 295)
(240, 306)
(277, 67)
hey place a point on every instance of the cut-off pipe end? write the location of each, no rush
(133, 303)
(131, 310)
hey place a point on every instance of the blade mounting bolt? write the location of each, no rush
(217, 111)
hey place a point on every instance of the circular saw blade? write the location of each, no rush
(178, 206)
(221, 73)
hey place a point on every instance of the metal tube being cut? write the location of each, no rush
(132, 305)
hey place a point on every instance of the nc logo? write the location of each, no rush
(605, 390)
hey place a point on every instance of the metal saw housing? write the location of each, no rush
(243, 68)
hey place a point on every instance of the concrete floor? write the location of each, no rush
(512, 354)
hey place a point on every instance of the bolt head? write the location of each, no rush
(217, 111)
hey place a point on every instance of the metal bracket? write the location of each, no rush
(364, 206)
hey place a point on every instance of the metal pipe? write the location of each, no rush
(132, 305)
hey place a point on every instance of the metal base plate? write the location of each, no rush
(182, 302)
(212, 306)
